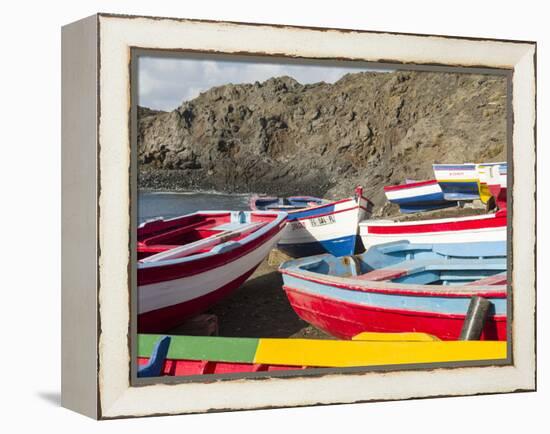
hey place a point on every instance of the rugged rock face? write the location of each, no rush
(282, 137)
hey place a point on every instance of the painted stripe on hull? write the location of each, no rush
(335, 233)
(192, 355)
(486, 221)
(412, 192)
(393, 299)
(181, 368)
(171, 292)
(456, 190)
(481, 235)
(331, 353)
(160, 320)
(345, 320)
(409, 185)
(485, 228)
(425, 199)
(168, 270)
(241, 350)
(312, 212)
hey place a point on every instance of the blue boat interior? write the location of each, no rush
(466, 190)
(403, 262)
(287, 203)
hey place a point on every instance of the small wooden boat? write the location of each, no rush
(330, 227)
(458, 181)
(198, 355)
(284, 203)
(185, 264)
(417, 196)
(498, 184)
(400, 287)
(483, 171)
(480, 228)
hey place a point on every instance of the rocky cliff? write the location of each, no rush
(280, 136)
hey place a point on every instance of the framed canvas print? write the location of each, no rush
(261, 216)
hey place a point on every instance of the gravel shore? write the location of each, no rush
(260, 308)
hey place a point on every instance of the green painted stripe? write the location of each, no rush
(240, 350)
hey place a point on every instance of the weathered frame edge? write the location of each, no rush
(79, 246)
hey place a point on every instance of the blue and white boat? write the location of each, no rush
(325, 227)
(417, 196)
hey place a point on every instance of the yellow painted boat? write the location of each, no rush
(483, 175)
(192, 355)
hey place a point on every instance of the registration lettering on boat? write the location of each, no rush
(324, 220)
(297, 226)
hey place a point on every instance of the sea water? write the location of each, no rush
(152, 204)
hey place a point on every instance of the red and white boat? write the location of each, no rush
(480, 228)
(188, 263)
(417, 196)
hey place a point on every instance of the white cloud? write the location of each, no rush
(164, 83)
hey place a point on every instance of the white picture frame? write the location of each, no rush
(96, 213)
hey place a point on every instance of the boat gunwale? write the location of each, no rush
(410, 185)
(392, 288)
(406, 227)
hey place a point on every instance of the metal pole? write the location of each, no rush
(475, 319)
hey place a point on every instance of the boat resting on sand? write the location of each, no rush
(187, 263)
(417, 196)
(480, 228)
(198, 355)
(290, 203)
(400, 287)
(458, 181)
(331, 227)
(483, 171)
(497, 183)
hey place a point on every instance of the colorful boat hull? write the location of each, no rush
(458, 181)
(328, 228)
(481, 228)
(417, 196)
(324, 291)
(483, 171)
(172, 289)
(498, 184)
(193, 355)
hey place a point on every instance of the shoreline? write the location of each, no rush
(172, 181)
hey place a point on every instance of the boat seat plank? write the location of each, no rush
(157, 239)
(209, 242)
(400, 270)
(497, 279)
(383, 274)
(232, 226)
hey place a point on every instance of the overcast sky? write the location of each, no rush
(164, 83)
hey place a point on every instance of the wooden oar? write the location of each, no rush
(181, 251)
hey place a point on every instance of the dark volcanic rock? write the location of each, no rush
(282, 137)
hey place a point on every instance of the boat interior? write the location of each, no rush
(422, 264)
(192, 235)
(288, 203)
